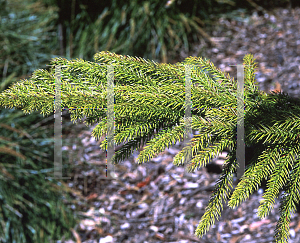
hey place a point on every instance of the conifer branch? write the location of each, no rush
(149, 109)
(289, 200)
(277, 180)
(215, 204)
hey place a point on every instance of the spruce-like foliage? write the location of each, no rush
(151, 96)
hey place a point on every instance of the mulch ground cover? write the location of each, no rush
(155, 201)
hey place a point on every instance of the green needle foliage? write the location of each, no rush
(150, 97)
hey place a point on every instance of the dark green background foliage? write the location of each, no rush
(26, 38)
(140, 28)
(31, 207)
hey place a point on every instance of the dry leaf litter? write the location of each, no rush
(155, 201)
